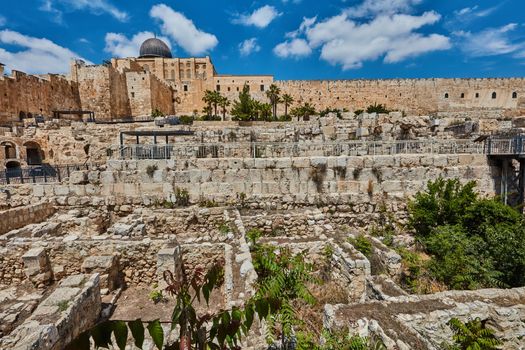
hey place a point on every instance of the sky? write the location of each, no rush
(291, 39)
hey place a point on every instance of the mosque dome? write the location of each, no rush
(154, 47)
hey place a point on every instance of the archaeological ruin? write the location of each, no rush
(100, 200)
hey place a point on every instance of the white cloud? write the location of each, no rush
(305, 24)
(371, 8)
(183, 31)
(119, 45)
(56, 15)
(295, 48)
(37, 56)
(249, 46)
(259, 18)
(474, 12)
(343, 41)
(489, 42)
(96, 7)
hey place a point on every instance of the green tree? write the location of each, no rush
(303, 111)
(287, 100)
(223, 104)
(273, 94)
(243, 108)
(208, 98)
(444, 202)
(473, 335)
(265, 110)
(377, 108)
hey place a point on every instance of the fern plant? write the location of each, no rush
(473, 335)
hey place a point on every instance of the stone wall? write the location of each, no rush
(420, 96)
(18, 217)
(23, 95)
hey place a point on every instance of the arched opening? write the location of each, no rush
(8, 150)
(34, 153)
(462, 95)
(514, 94)
(446, 95)
(188, 74)
(21, 115)
(13, 169)
(494, 95)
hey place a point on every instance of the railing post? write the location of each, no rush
(6, 177)
(57, 169)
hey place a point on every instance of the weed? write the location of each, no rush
(182, 197)
(224, 228)
(357, 172)
(150, 170)
(362, 244)
(156, 296)
(63, 305)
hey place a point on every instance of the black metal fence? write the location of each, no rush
(40, 174)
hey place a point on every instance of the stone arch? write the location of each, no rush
(34, 153)
(446, 94)
(13, 169)
(494, 95)
(21, 115)
(8, 150)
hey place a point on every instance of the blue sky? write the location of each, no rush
(292, 39)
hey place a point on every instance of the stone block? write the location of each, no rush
(108, 268)
(78, 178)
(37, 266)
(168, 259)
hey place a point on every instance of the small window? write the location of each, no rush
(262, 87)
(237, 88)
(477, 94)
(446, 95)
(185, 87)
(462, 95)
(514, 95)
(494, 95)
(218, 88)
(133, 95)
(229, 88)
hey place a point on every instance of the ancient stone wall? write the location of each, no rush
(18, 217)
(420, 96)
(161, 96)
(23, 95)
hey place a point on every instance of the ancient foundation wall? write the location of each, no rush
(23, 95)
(161, 96)
(18, 217)
(421, 96)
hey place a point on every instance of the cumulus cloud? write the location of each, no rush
(183, 31)
(371, 8)
(249, 46)
(305, 24)
(489, 42)
(37, 55)
(119, 45)
(96, 7)
(295, 48)
(259, 18)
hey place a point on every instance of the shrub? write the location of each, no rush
(224, 228)
(157, 113)
(358, 111)
(472, 335)
(182, 197)
(156, 296)
(362, 244)
(186, 119)
(150, 170)
(377, 108)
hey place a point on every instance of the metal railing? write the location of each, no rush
(41, 173)
(506, 146)
(299, 149)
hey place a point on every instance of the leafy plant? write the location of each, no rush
(156, 296)
(377, 108)
(473, 335)
(224, 228)
(186, 119)
(182, 197)
(157, 113)
(150, 170)
(362, 244)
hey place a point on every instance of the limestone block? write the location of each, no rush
(318, 161)
(61, 190)
(362, 132)
(37, 266)
(383, 161)
(108, 268)
(78, 178)
(301, 162)
(440, 161)
(107, 177)
(168, 259)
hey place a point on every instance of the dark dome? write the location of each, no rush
(154, 47)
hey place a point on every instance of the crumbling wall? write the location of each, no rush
(18, 217)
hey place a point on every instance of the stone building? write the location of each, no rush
(133, 87)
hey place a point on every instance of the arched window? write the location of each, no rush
(182, 74)
(34, 153)
(494, 95)
(514, 94)
(446, 95)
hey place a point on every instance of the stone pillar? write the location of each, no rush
(37, 267)
(108, 268)
(168, 259)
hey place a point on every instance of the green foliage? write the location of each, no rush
(303, 111)
(253, 235)
(150, 170)
(157, 113)
(156, 296)
(62, 306)
(473, 335)
(473, 243)
(359, 111)
(335, 111)
(212, 100)
(186, 119)
(243, 108)
(362, 244)
(444, 202)
(287, 100)
(338, 340)
(182, 197)
(273, 95)
(224, 228)
(377, 108)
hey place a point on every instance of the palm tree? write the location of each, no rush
(224, 103)
(287, 100)
(266, 110)
(273, 95)
(208, 99)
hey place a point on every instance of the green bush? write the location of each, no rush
(362, 244)
(186, 119)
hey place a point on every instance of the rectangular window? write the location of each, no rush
(185, 87)
(218, 88)
(133, 95)
(262, 87)
(229, 88)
